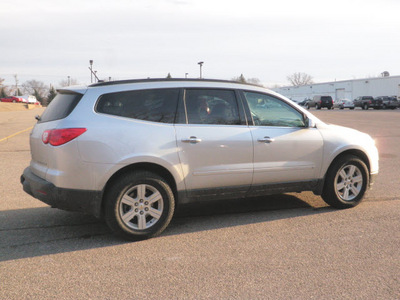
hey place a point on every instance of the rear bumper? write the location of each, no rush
(88, 202)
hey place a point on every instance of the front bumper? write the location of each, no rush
(88, 202)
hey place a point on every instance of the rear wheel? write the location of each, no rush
(139, 205)
(346, 182)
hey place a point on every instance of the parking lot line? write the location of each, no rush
(14, 134)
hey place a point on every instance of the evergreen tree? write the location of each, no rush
(240, 79)
(38, 96)
(3, 92)
(169, 76)
(51, 95)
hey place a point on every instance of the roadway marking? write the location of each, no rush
(10, 136)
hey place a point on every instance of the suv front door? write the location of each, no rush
(215, 150)
(286, 151)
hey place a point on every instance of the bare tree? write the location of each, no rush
(242, 79)
(68, 82)
(299, 78)
(36, 88)
(254, 81)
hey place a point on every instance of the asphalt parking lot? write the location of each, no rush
(289, 246)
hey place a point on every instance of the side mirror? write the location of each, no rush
(310, 123)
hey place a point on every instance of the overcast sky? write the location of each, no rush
(49, 40)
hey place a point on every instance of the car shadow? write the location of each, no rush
(42, 231)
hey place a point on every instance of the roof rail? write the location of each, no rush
(105, 83)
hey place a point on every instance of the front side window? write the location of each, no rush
(270, 111)
(157, 105)
(211, 106)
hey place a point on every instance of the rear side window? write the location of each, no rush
(209, 106)
(60, 107)
(156, 105)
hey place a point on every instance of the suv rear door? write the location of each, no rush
(214, 144)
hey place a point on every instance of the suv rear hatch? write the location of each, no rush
(326, 101)
(59, 108)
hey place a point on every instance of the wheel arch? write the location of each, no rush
(355, 152)
(143, 166)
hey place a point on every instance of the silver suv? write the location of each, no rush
(130, 151)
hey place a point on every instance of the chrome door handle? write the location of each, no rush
(266, 139)
(192, 140)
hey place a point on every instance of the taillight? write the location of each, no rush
(57, 137)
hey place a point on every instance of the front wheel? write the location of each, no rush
(346, 182)
(139, 205)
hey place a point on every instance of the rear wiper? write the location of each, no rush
(37, 117)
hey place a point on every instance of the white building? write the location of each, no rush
(349, 89)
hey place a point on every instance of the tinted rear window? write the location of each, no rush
(326, 98)
(60, 107)
(156, 105)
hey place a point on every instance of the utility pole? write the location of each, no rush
(16, 84)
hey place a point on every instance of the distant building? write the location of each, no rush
(345, 89)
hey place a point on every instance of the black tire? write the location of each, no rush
(131, 196)
(346, 182)
(308, 106)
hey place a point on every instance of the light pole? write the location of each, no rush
(91, 70)
(201, 65)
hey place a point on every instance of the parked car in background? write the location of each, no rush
(304, 102)
(344, 103)
(388, 102)
(320, 101)
(366, 102)
(29, 99)
(13, 99)
(130, 151)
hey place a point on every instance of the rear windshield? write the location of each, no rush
(326, 98)
(60, 107)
